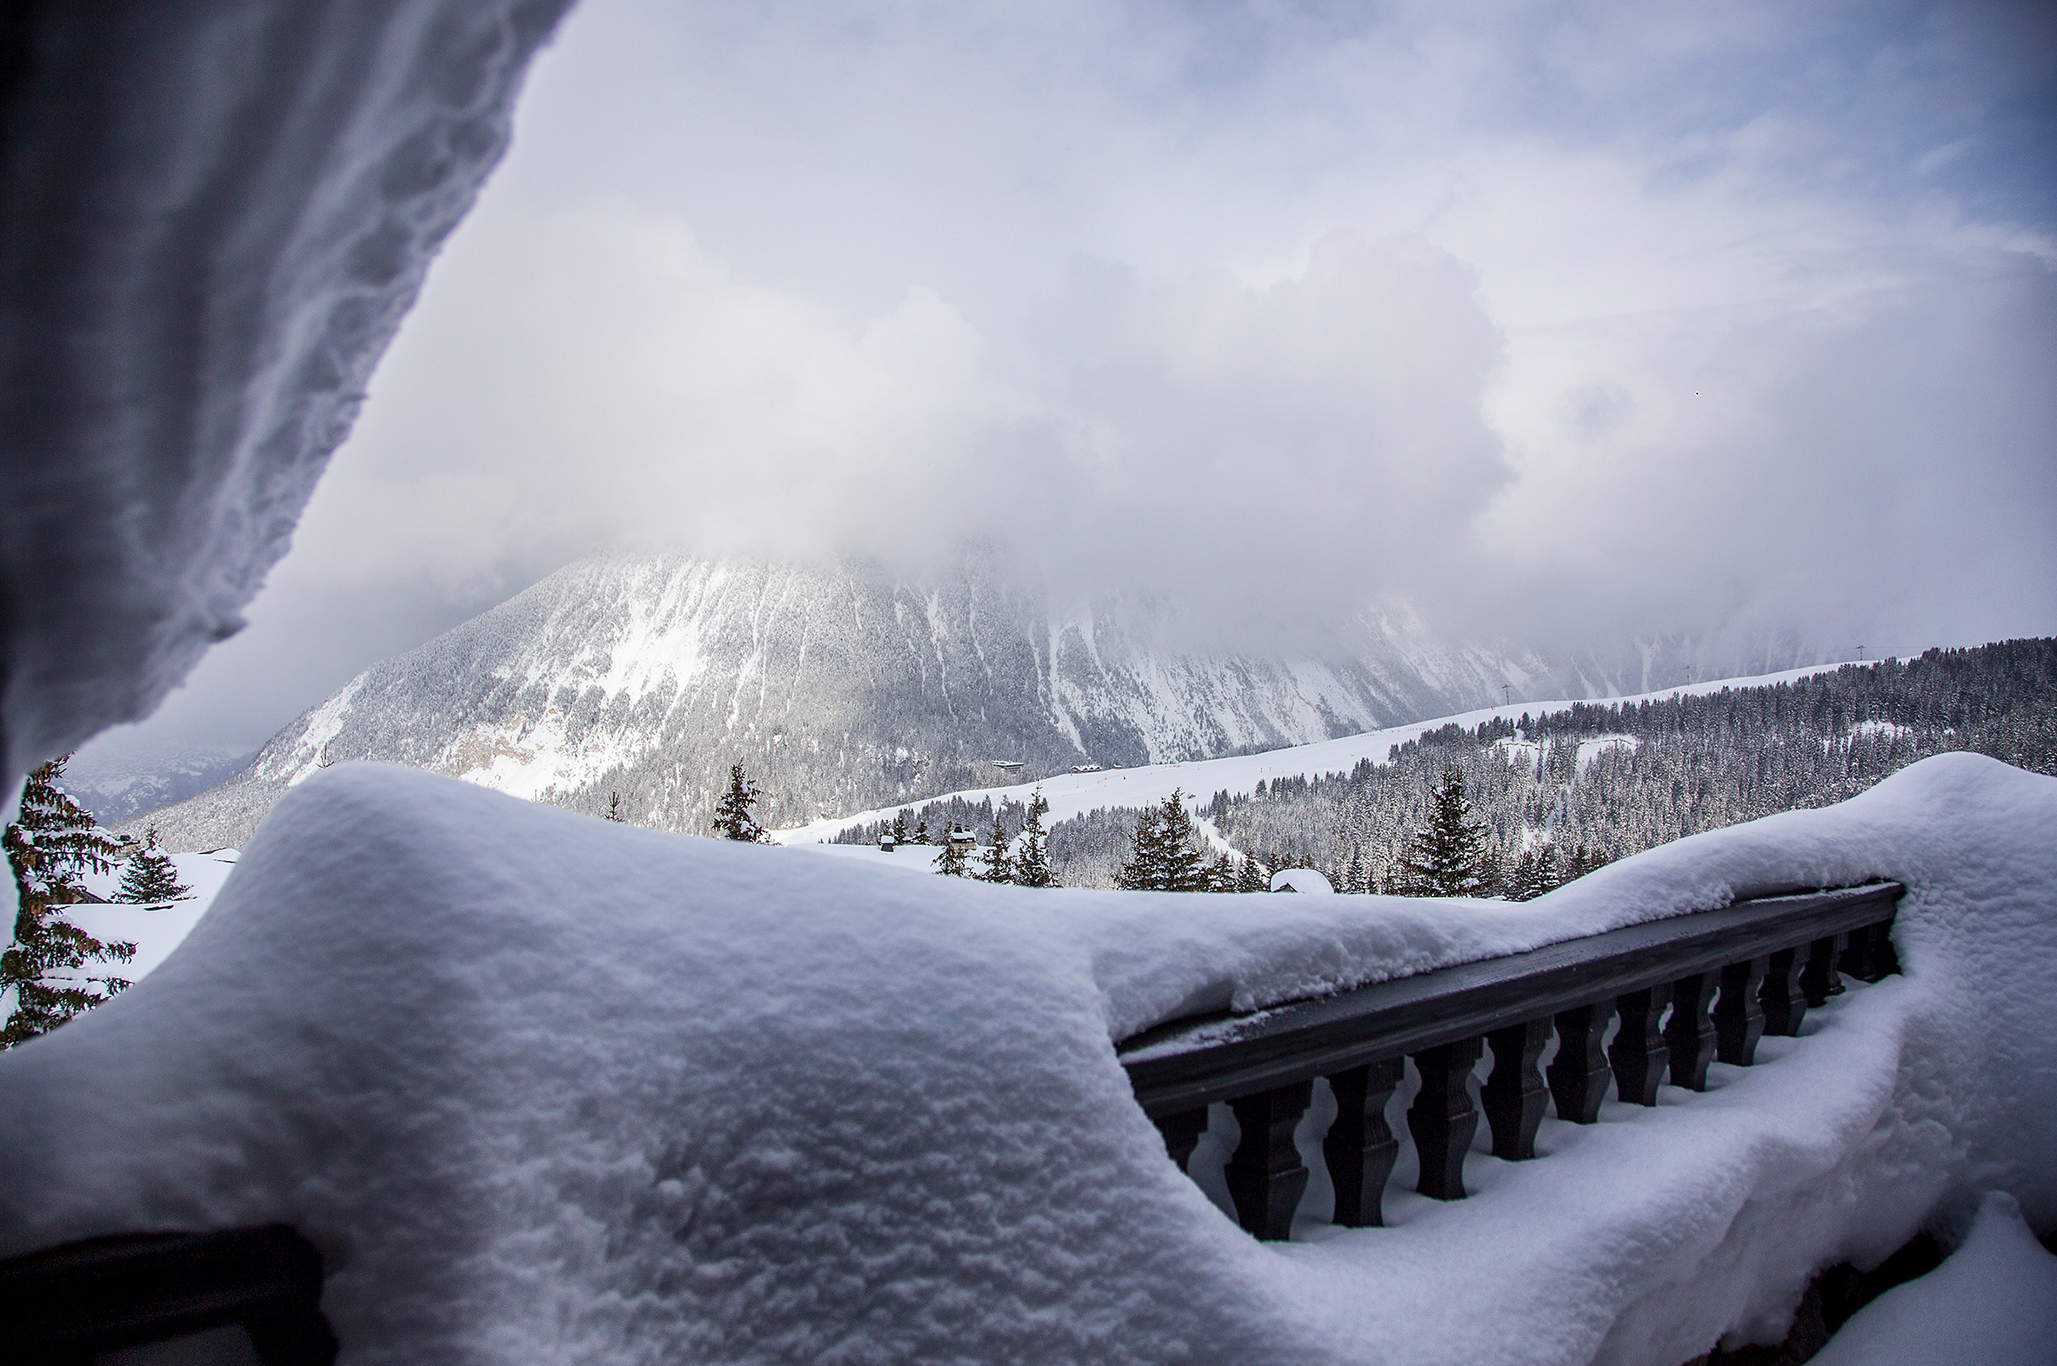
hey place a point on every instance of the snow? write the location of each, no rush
(154, 928)
(1992, 1303)
(1306, 880)
(218, 215)
(543, 1087)
(1075, 794)
(1591, 749)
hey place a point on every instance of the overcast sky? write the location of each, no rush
(1559, 320)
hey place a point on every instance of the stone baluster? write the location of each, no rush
(1514, 1096)
(1579, 1073)
(1265, 1175)
(1689, 1033)
(1738, 1015)
(1783, 999)
(1870, 952)
(1818, 979)
(1182, 1134)
(1360, 1146)
(1443, 1118)
(1639, 1054)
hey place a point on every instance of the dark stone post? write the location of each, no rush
(1639, 1055)
(1442, 1118)
(1514, 1094)
(1870, 954)
(1738, 1017)
(1579, 1073)
(1783, 999)
(1689, 1033)
(1265, 1175)
(1360, 1147)
(1818, 979)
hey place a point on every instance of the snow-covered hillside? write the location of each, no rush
(844, 688)
(729, 1103)
(1075, 794)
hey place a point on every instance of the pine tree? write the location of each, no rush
(921, 833)
(614, 807)
(1032, 864)
(1144, 869)
(1165, 856)
(150, 875)
(1251, 876)
(48, 847)
(1449, 855)
(732, 818)
(900, 828)
(1184, 863)
(953, 861)
(998, 867)
(1534, 873)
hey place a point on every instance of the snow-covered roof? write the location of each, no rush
(1301, 880)
(743, 1103)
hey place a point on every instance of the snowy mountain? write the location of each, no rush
(848, 687)
(114, 782)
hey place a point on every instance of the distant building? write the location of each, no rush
(1300, 880)
(1085, 768)
(1008, 766)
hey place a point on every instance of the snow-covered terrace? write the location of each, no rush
(725, 1102)
(541, 1088)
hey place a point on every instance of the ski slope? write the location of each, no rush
(1075, 794)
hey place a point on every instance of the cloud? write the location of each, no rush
(1561, 320)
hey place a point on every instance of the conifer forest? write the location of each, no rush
(1594, 783)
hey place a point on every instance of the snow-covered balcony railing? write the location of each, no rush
(1726, 977)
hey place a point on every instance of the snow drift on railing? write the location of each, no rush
(547, 1088)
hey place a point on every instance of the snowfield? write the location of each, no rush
(546, 1088)
(154, 928)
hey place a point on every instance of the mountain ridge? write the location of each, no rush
(847, 686)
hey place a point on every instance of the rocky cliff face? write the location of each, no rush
(839, 688)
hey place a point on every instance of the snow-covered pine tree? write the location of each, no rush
(1251, 875)
(1582, 861)
(1032, 864)
(953, 861)
(732, 818)
(1449, 855)
(900, 827)
(1144, 870)
(51, 843)
(1533, 873)
(614, 807)
(1185, 866)
(150, 875)
(998, 867)
(1165, 856)
(921, 833)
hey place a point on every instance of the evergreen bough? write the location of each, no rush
(49, 846)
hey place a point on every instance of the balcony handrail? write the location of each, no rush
(1768, 958)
